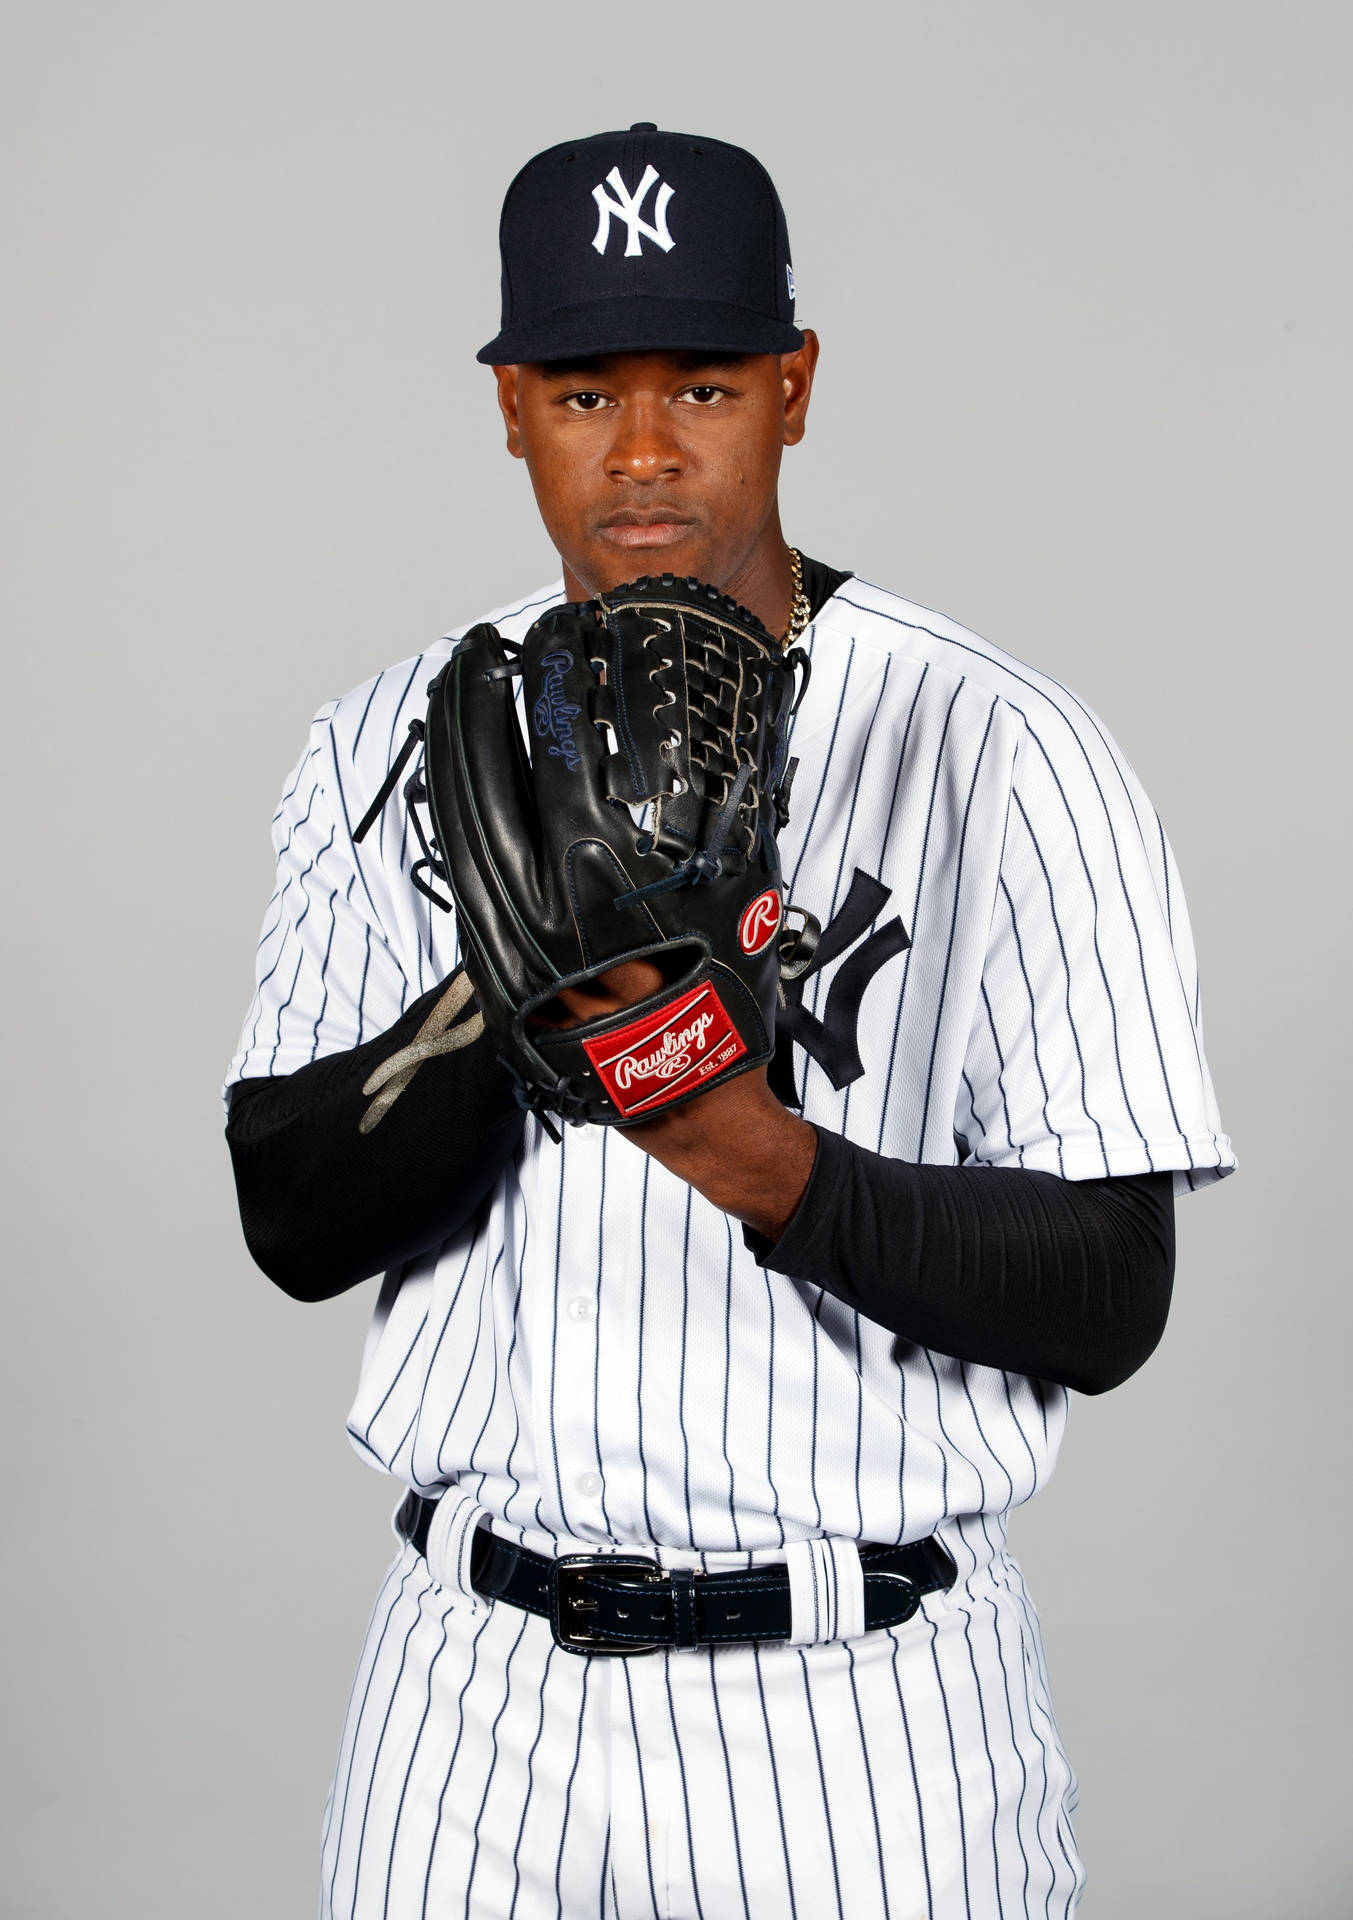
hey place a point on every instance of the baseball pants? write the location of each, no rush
(912, 1773)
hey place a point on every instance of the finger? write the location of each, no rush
(611, 992)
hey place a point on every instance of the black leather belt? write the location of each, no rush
(624, 1603)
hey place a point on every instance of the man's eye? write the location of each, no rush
(704, 396)
(585, 402)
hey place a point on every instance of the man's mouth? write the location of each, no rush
(656, 527)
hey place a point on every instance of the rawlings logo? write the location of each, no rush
(554, 715)
(666, 1054)
(756, 929)
(672, 1057)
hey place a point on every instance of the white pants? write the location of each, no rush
(913, 1773)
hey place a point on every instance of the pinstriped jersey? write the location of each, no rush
(1010, 982)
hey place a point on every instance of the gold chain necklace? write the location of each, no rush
(802, 611)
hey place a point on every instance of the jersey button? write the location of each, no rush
(589, 1484)
(583, 1308)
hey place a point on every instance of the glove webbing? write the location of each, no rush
(703, 864)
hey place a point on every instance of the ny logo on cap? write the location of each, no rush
(627, 207)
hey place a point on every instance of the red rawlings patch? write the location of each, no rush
(756, 929)
(666, 1054)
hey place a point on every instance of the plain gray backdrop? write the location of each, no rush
(1082, 281)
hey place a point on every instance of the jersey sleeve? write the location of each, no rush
(1086, 1054)
(326, 976)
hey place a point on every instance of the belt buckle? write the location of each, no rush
(568, 1602)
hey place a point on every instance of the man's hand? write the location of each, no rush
(739, 1147)
(735, 1144)
(611, 992)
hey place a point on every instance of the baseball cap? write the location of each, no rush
(641, 240)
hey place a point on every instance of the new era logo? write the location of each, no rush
(628, 207)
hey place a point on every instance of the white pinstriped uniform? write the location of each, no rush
(597, 1362)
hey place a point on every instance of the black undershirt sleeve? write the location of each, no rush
(1068, 1280)
(323, 1205)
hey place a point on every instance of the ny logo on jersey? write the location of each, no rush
(628, 207)
(833, 1039)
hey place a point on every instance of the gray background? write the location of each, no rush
(1081, 277)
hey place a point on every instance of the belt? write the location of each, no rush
(625, 1603)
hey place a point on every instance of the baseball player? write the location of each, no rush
(708, 1423)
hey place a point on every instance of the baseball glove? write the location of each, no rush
(640, 825)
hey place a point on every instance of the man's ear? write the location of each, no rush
(507, 401)
(796, 380)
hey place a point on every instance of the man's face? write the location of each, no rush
(658, 462)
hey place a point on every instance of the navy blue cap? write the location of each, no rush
(627, 242)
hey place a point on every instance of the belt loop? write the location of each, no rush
(826, 1591)
(683, 1607)
(451, 1532)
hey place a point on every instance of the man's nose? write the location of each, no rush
(645, 446)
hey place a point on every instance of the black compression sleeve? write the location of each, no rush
(324, 1206)
(1068, 1280)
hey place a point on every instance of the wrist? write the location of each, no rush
(738, 1147)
